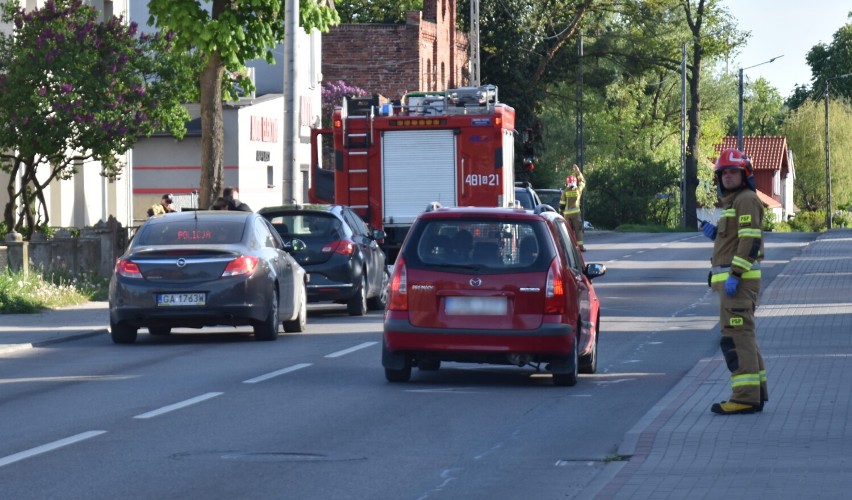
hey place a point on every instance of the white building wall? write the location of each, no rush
(787, 204)
(162, 164)
(260, 146)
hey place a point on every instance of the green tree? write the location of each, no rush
(763, 110)
(805, 131)
(832, 60)
(827, 61)
(631, 99)
(75, 89)
(375, 11)
(226, 35)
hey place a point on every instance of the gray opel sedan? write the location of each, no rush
(207, 268)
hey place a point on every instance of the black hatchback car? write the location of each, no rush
(341, 254)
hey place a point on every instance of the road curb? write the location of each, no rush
(66, 338)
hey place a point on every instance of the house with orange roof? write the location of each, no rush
(773, 170)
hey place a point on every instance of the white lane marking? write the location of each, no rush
(38, 450)
(178, 406)
(452, 390)
(282, 371)
(350, 350)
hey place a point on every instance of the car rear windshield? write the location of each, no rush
(496, 246)
(306, 225)
(191, 232)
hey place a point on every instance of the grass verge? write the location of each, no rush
(31, 294)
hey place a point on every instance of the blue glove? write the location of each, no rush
(709, 230)
(731, 285)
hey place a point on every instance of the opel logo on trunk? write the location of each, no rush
(181, 262)
(475, 282)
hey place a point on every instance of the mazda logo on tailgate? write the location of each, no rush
(475, 282)
(181, 262)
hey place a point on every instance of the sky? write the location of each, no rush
(788, 28)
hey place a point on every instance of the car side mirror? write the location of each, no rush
(378, 234)
(594, 270)
(295, 245)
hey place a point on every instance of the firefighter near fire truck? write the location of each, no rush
(735, 275)
(569, 203)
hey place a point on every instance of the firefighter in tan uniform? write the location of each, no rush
(569, 203)
(737, 252)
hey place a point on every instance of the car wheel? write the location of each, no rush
(159, 330)
(122, 333)
(568, 379)
(298, 325)
(380, 301)
(268, 328)
(357, 305)
(589, 362)
(403, 375)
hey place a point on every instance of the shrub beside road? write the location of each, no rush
(31, 294)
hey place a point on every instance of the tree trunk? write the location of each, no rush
(212, 132)
(690, 201)
(691, 167)
(11, 205)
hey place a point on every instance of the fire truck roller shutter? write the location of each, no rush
(418, 167)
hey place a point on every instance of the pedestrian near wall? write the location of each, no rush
(164, 206)
(735, 275)
(232, 197)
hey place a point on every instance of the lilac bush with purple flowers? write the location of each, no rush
(332, 97)
(76, 89)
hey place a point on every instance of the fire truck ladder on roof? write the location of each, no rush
(358, 139)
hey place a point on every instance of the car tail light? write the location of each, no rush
(244, 264)
(342, 247)
(554, 290)
(398, 300)
(127, 268)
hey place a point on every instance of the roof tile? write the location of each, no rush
(766, 152)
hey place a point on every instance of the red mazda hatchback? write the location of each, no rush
(492, 285)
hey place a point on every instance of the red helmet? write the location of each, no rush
(571, 181)
(734, 158)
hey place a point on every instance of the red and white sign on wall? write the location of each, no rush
(264, 129)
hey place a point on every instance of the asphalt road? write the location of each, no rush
(218, 415)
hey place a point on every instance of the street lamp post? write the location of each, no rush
(740, 115)
(828, 154)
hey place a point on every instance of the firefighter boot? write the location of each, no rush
(732, 408)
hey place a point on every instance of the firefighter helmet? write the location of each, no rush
(571, 182)
(734, 158)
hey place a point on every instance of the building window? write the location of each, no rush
(270, 176)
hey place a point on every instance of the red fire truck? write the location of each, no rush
(390, 160)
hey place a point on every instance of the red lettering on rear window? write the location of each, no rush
(194, 235)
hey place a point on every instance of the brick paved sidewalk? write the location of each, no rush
(801, 445)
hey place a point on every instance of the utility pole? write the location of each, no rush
(683, 134)
(740, 114)
(292, 181)
(579, 140)
(473, 39)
